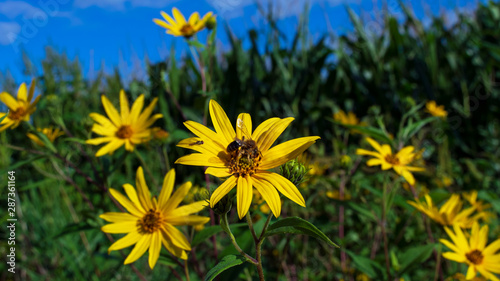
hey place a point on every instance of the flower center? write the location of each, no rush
(124, 132)
(187, 30)
(244, 157)
(151, 222)
(475, 257)
(392, 159)
(17, 114)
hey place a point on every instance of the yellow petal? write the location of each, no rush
(264, 127)
(177, 198)
(408, 176)
(221, 123)
(282, 185)
(376, 145)
(492, 248)
(126, 203)
(194, 18)
(143, 190)
(268, 137)
(189, 209)
(244, 126)
(139, 249)
(98, 141)
(162, 23)
(176, 251)
(104, 131)
(154, 249)
(126, 241)
(244, 195)
(111, 111)
(22, 92)
(31, 90)
(167, 188)
(198, 159)
(124, 107)
(471, 272)
(134, 198)
(285, 152)
(118, 217)
(168, 18)
(9, 101)
(136, 110)
(120, 227)
(361, 151)
(187, 220)
(218, 172)
(176, 236)
(374, 162)
(198, 144)
(454, 257)
(179, 18)
(105, 122)
(207, 135)
(222, 190)
(144, 116)
(269, 194)
(450, 245)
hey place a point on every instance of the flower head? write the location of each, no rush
(181, 27)
(399, 161)
(20, 109)
(474, 252)
(346, 119)
(51, 134)
(150, 222)
(450, 213)
(129, 127)
(244, 157)
(435, 110)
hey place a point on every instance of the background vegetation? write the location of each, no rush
(379, 76)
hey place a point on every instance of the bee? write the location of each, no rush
(200, 142)
(244, 147)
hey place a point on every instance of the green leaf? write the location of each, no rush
(364, 264)
(167, 260)
(3, 117)
(22, 163)
(415, 256)
(78, 140)
(295, 225)
(412, 129)
(195, 44)
(226, 262)
(208, 231)
(74, 227)
(362, 211)
(375, 133)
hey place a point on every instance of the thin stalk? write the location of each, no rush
(186, 270)
(146, 167)
(225, 227)
(200, 65)
(250, 226)
(384, 233)
(258, 248)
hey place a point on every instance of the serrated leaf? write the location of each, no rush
(295, 225)
(226, 262)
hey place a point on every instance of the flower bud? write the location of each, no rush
(294, 171)
(211, 23)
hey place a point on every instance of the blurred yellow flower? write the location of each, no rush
(51, 134)
(480, 206)
(479, 257)
(346, 119)
(129, 127)
(159, 134)
(244, 157)
(335, 194)
(398, 162)
(461, 277)
(450, 213)
(150, 222)
(181, 27)
(20, 109)
(435, 110)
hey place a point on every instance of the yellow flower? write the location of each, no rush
(435, 110)
(150, 222)
(480, 206)
(129, 128)
(49, 132)
(387, 160)
(450, 213)
(479, 257)
(244, 157)
(20, 109)
(181, 27)
(159, 134)
(346, 119)
(335, 194)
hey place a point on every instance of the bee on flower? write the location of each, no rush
(244, 157)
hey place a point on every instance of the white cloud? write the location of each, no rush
(8, 32)
(13, 9)
(120, 4)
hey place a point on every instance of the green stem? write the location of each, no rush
(225, 226)
(250, 226)
(258, 248)
(186, 270)
(384, 233)
(146, 167)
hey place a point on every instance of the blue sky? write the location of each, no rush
(120, 33)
